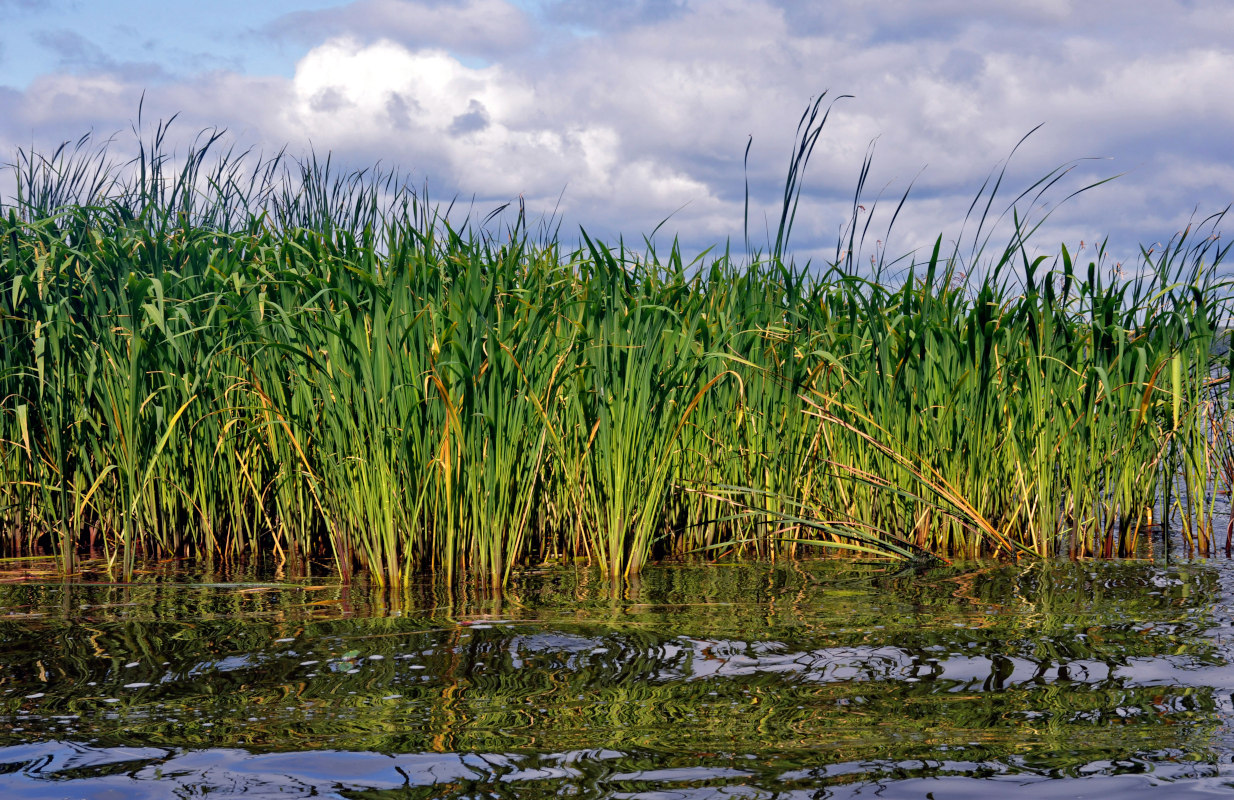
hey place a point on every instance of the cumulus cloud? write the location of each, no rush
(644, 111)
(484, 131)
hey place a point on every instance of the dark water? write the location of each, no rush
(813, 680)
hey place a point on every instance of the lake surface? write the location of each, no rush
(810, 680)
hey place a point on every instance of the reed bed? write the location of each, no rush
(217, 354)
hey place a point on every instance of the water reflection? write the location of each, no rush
(46, 770)
(749, 681)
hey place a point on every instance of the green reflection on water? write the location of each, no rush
(784, 666)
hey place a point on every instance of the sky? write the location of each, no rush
(618, 116)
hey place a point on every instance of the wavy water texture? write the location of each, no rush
(759, 681)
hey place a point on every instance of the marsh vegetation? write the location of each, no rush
(216, 354)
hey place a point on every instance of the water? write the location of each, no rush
(804, 680)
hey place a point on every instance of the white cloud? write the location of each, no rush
(483, 130)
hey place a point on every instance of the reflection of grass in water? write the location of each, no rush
(570, 667)
(767, 718)
(278, 358)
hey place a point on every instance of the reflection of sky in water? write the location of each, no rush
(1032, 682)
(145, 773)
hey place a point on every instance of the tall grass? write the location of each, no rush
(219, 354)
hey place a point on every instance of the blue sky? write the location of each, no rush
(173, 39)
(620, 114)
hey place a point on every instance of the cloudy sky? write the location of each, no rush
(623, 113)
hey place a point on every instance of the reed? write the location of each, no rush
(218, 354)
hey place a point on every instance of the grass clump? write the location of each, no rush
(246, 356)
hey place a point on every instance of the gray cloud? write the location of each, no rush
(77, 54)
(485, 28)
(329, 100)
(612, 15)
(475, 119)
(962, 65)
(399, 110)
